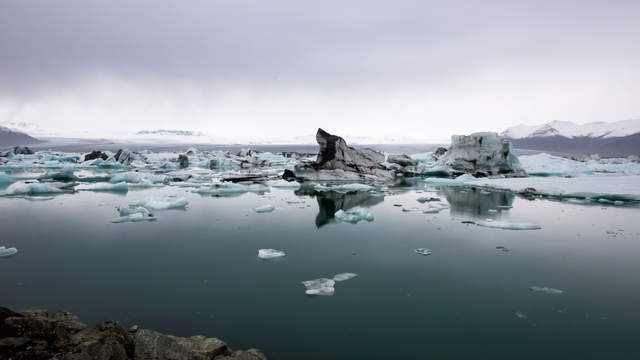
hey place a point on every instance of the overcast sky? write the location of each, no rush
(247, 70)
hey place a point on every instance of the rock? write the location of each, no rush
(402, 160)
(183, 160)
(96, 155)
(288, 175)
(22, 150)
(338, 161)
(481, 154)
(34, 335)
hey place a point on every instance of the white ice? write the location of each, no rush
(125, 211)
(549, 165)
(354, 215)
(266, 254)
(546, 290)
(134, 177)
(162, 203)
(24, 188)
(264, 209)
(344, 276)
(136, 217)
(508, 225)
(353, 187)
(434, 208)
(322, 286)
(283, 184)
(459, 181)
(6, 252)
(423, 251)
(118, 187)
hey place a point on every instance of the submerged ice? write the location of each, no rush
(353, 215)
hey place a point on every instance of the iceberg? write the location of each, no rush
(344, 276)
(322, 287)
(548, 165)
(162, 203)
(266, 254)
(231, 189)
(5, 179)
(6, 252)
(137, 217)
(283, 184)
(126, 211)
(354, 215)
(546, 290)
(434, 208)
(24, 188)
(137, 178)
(423, 251)
(458, 181)
(508, 225)
(264, 209)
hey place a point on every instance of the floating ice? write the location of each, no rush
(5, 179)
(353, 187)
(434, 208)
(423, 251)
(119, 187)
(24, 188)
(508, 225)
(231, 189)
(546, 290)
(521, 315)
(137, 217)
(354, 215)
(264, 209)
(425, 199)
(322, 286)
(162, 203)
(125, 211)
(549, 165)
(344, 276)
(270, 254)
(459, 181)
(283, 184)
(65, 174)
(6, 252)
(134, 177)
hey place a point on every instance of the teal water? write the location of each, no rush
(196, 271)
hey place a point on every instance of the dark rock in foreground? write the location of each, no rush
(34, 335)
(96, 155)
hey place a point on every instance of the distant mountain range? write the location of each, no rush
(10, 138)
(163, 132)
(619, 138)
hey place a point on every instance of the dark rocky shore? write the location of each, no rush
(34, 335)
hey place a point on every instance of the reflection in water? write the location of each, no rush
(331, 201)
(476, 202)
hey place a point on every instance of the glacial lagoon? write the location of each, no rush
(482, 291)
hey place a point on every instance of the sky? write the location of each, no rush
(243, 70)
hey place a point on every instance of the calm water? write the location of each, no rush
(196, 272)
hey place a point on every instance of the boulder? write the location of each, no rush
(338, 161)
(96, 155)
(481, 154)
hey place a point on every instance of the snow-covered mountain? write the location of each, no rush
(572, 130)
(9, 137)
(618, 138)
(164, 132)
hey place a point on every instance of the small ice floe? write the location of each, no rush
(283, 184)
(508, 225)
(126, 211)
(162, 203)
(267, 254)
(6, 252)
(322, 286)
(504, 206)
(434, 208)
(503, 248)
(106, 187)
(354, 187)
(425, 199)
(521, 315)
(344, 276)
(492, 211)
(354, 215)
(546, 290)
(423, 251)
(231, 189)
(459, 181)
(264, 209)
(137, 217)
(411, 209)
(134, 177)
